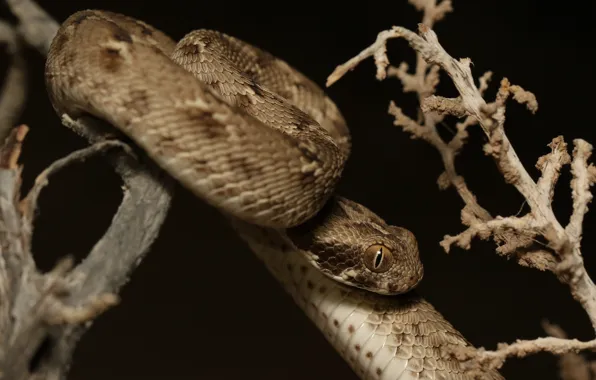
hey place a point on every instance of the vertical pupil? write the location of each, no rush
(379, 257)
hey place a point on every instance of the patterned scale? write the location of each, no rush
(381, 337)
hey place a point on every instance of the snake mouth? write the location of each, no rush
(388, 286)
(382, 292)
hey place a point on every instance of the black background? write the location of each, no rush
(201, 305)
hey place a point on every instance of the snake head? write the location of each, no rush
(352, 245)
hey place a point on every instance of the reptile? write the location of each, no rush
(252, 136)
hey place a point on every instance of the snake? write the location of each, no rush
(254, 137)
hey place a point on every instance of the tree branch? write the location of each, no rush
(14, 89)
(60, 305)
(515, 235)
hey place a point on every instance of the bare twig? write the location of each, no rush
(60, 304)
(482, 359)
(378, 50)
(63, 299)
(580, 185)
(424, 82)
(443, 106)
(10, 250)
(572, 366)
(30, 201)
(13, 145)
(515, 234)
(14, 89)
(36, 26)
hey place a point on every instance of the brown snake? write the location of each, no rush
(253, 137)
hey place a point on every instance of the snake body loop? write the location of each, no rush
(261, 142)
(239, 146)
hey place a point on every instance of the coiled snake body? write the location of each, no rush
(258, 140)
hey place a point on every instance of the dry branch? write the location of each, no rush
(572, 365)
(35, 26)
(514, 235)
(61, 305)
(14, 88)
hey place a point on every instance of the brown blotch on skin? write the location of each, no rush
(111, 59)
(357, 347)
(157, 49)
(369, 355)
(207, 42)
(335, 322)
(290, 267)
(247, 167)
(312, 157)
(122, 35)
(379, 371)
(309, 284)
(252, 74)
(322, 289)
(146, 31)
(200, 165)
(302, 269)
(256, 88)
(303, 120)
(112, 51)
(212, 129)
(351, 329)
(190, 49)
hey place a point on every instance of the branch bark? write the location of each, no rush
(56, 308)
(14, 88)
(514, 235)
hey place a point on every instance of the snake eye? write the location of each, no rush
(378, 258)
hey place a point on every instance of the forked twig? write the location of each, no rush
(516, 236)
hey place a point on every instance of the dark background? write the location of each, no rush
(202, 306)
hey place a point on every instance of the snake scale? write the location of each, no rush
(252, 136)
